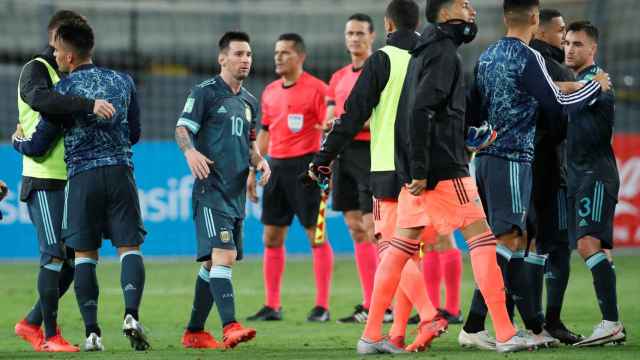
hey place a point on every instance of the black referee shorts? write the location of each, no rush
(351, 185)
(285, 195)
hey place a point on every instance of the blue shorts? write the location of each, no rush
(102, 203)
(45, 211)
(592, 209)
(550, 222)
(216, 231)
(505, 190)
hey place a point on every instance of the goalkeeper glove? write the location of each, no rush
(480, 137)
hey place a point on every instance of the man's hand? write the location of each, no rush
(18, 133)
(417, 186)
(321, 175)
(604, 80)
(103, 109)
(480, 137)
(252, 192)
(265, 169)
(198, 163)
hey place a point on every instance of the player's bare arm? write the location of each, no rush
(259, 163)
(198, 163)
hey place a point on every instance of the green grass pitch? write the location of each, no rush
(169, 290)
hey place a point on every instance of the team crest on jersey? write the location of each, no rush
(247, 112)
(295, 122)
(225, 236)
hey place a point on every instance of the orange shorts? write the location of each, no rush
(384, 218)
(453, 204)
(385, 214)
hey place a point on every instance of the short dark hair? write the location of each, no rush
(546, 15)
(517, 11)
(229, 36)
(433, 8)
(298, 41)
(519, 5)
(363, 18)
(586, 26)
(63, 16)
(78, 35)
(404, 14)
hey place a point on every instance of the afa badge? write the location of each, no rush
(247, 113)
(225, 236)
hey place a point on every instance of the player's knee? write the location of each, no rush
(222, 257)
(512, 240)
(273, 236)
(356, 229)
(207, 264)
(588, 246)
(443, 243)
(125, 249)
(93, 255)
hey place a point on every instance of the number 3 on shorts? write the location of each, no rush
(585, 207)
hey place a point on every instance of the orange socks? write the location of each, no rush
(387, 279)
(412, 284)
(401, 313)
(488, 277)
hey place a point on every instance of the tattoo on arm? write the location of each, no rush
(183, 138)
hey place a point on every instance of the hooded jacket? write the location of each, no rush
(430, 131)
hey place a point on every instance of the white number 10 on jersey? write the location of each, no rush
(237, 124)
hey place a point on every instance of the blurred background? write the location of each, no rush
(170, 45)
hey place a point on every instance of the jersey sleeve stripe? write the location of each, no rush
(563, 99)
(189, 124)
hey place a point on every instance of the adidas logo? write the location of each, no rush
(90, 303)
(583, 223)
(222, 110)
(129, 287)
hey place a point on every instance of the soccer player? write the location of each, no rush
(216, 133)
(511, 84)
(43, 181)
(351, 192)
(375, 98)
(431, 154)
(101, 197)
(593, 182)
(549, 190)
(293, 113)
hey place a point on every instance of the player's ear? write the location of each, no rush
(221, 58)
